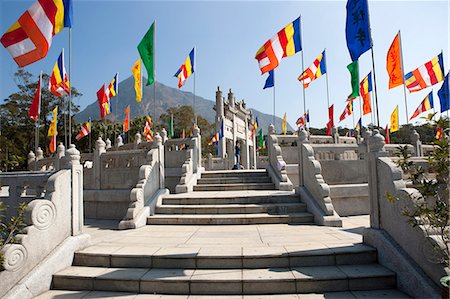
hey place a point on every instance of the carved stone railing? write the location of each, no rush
(150, 187)
(336, 151)
(277, 166)
(401, 247)
(312, 187)
(54, 212)
(215, 163)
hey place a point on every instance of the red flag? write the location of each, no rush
(387, 139)
(347, 111)
(330, 123)
(35, 108)
(102, 100)
(439, 133)
(394, 64)
(126, 121)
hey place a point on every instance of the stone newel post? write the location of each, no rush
(119, 141)
(417, 144)
(100, 148)
(302, 138)
(163, 135)
(108, 143)
(137, 139)
(375, 145)
(160, 146)
(60, 153)
(198, 150)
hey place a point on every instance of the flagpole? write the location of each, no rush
(117, 104)
(90, 135)
(195, 66)
(154, 70)
(36, 133)
(70, 88)
(403, 76)
(274, 126)
(303, 86)
(443, 70)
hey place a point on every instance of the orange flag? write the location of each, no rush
(394, 63)
(126, 121)
(366, 104)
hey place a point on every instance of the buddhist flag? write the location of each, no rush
(394, 120)
(148, 132)
(214, 140)
(59, 81)
(146, 49)
(347, 111)
(330, 123)
(126, 121)
(270, 81)
(84, 131)
(359, 125)
(443, 94)
(427, 104)
(136, 69)
(316, 70)
(394, 63)
(365, 87)
(285, 43)
(113, 87)
(425, 75)
(354, 73)
(284, 124)
(35, 108)
(187, 69)
(52, 130)
(439, 133)
(29, 39)
(357, 29)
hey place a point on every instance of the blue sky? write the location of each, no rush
(227, 36)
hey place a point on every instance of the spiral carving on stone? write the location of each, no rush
(15, 256)
(43, 214)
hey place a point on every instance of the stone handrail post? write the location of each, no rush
(60, 153)
(417, 144)
(277, 165)
(302, 138)
(31, 158)
(210, 161)
(335, 134)
(39, 154)
(375, 144)
(362, 146)
(160, 146)
(108, 143)
(72, 162)
(100, 148)
(119, 142)
(137, 139)
(163, 134)
(198, 152)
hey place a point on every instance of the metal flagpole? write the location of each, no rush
(154, 70)
(195, 58)
(90, 135)
(373, 69)
(70, 88)
(403, 76)
(117, 104)
(274, 126)
(36, 133)
(303, 86)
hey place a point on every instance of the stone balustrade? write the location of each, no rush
(277, 166)
(54, 213)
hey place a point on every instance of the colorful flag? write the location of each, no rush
(221, 131)
(316, 70)
(303, 120)
(357, 29)
(394, 120)
(443, 95)
(136, 70)
(330, 123)
(103, 102)
(29, 39)
(439, 133)
(186, 69)
(359, 125)
(214, 140)
(84, 131)
(270, 81)
(284, 124)
(347, 111)
(148, 132)
(365, 87)
(146, 50)
(427, 104)
(35, 108)
(386, 131)
(425, 75)
(126, 121)
(285, 43)
(394, 63)
(113, 87)
(59, 81)
(354, 73)
(53, 131)
(171, 126)
(261, 138)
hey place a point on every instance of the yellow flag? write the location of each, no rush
(137, 80)
(52, 129)
(283, 124)
(394, 120)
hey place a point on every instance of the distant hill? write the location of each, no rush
(166, 97)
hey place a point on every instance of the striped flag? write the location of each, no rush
(113, 87)
(302, 120)
(427, 104)
(330, 123)
(186, 69)
(148, 132)
(365, 87)
(359, 125)
(215, 139)
(29, 39)
(285, 43)
(59, 81)
(425, 75)
(84, 131)
(35, 108)
(347, 111)
(316, 70)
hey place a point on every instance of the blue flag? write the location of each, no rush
(270, 80)
(443, 95)
(357, 28)
(221, 131)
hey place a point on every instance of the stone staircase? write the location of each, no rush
(208, 262)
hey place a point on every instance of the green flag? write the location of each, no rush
(354, 72)
(261, 139)
(171, 126)
(146, 49)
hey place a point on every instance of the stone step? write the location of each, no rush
(226, 282)
(234, 173)
(234, 180)
(226, 258)
(230, 219)
(270, 208)
(231, 187)
(196, 198)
